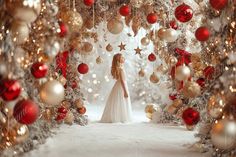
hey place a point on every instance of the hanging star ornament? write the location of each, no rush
(138, 51)
(122, 46)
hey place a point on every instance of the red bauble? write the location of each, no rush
(83, 68)
(218, 4)
(62, 109)
(152, 18)
(89, 2)
(152, 57)
(63, 29)
(39, 70)
(60, 117)
(26, 112)
(173, 25)
(201, 82)
(173, 96)
(202, 34)
(9, 89)
(183, 13)
(124, 10)
(191, 116)
(81, 110)
(208, 72)
(74, 85)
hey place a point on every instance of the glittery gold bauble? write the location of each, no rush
(109, 48)
(66, 104)
(141, 73)
(161, 33)
(86, 48)
(215, 106)
(145, 41)
(99, 60)
(150, 109)
(69, 118)
(172, 61)
(154, 78)
(177, 103)
(79, 103)
(73, 19)
(171, 109)
(52, 92)
(23, 11)
(115, 26)
(22, 133)
(191, 90)
(47, 115)
(20, 31)
(223, 134)
(182, 73)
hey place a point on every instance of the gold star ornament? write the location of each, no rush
(138, 51)
(122, 46)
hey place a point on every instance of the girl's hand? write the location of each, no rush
(126, 95)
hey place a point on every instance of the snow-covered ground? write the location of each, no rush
(139, 139)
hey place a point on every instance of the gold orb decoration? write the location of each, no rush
(99, 60)
(154, 78)
(52, 92)
(145, 41)
(177, 103)
(20, 31)
(223, 134)
(109, 48)
(161, 33)
(115, 26)
(150, 109)
(215, 105)
(23, 11)
(191, 90)
(182, 73)
(79, 103)
(73, 19)
(69, 119)
(141, 73)
(86, 48)
(172, 61)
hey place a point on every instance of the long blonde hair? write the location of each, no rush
(115, 68)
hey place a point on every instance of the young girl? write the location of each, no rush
(118, 106)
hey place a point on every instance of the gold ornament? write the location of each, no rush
(69, 118)
(115, 26)
(73, 19)
(145, 41)
(150, 109)
(154, 78)
(141, 73)
(86, 48)
(89, 23)
(79, 103)
(66, 104)
(182, 73)
(177, 103)
(122, 46)
(20, 31)
(171, 109)
(215, 106)
(52, 92)
(22, 11)
(161, 33)
(109, 48)
(172, 61)
(75, 42)
(47, 115)
(138, 51)
(223, 134)
(170, 35)
(99, 60)
(191, 90)
(22, 133)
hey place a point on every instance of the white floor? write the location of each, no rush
(139, 139)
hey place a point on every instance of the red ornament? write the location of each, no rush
(26, 112)
(152, 57)
(201, 82)
(83, 68)
(208, 72)
(74, 84)
(62, 109)
(63, 29)
(39, 70)
(152, 18)
(191, 116)
(89, 2)
(173, 96)
(202, 34)
(60, 117)
(183, 13)
(124, 10)
(173, 24)
(81, 110)
(9, 89)
(218, 4)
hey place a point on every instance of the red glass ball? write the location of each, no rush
(81, 110)
(183, 13)
(26, 112)
(152, 57)
(39, 70)
(62, 109)
(173, 96)
(201, 82)
(60, 117)
(89, 2)
(173, 25)
(124, 10)
(218, 4)
(10, 89)
(63, 29)
(152, 18)
(83, 68)
(208, 72)
(202, 34)
(191, 116)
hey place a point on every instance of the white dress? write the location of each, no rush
(118, 108)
